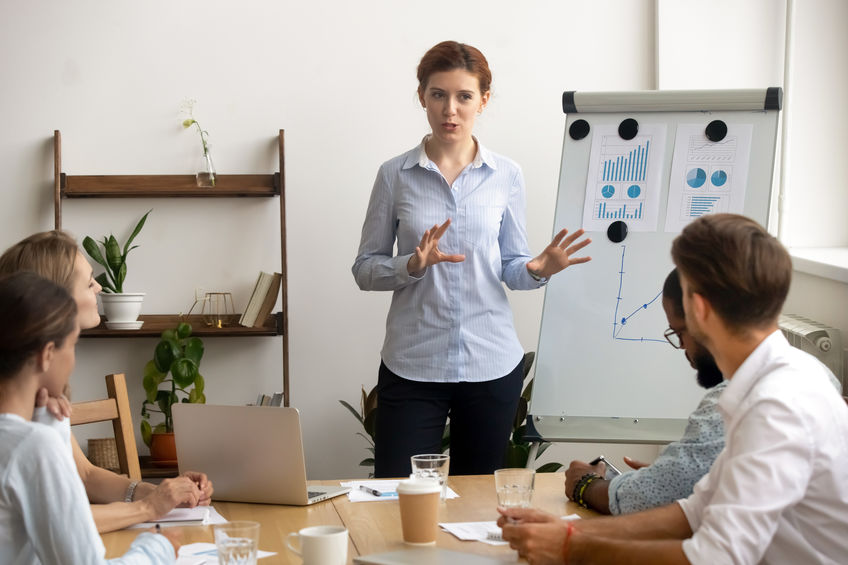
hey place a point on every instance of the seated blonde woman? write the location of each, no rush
(44, 515)
(116, 501)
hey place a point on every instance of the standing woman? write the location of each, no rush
(456, 211)
(44, 513)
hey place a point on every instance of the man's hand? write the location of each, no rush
(634, 464)
(576, 470)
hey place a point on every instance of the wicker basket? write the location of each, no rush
(104, 453)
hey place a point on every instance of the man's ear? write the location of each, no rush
(44, 358)
(701, 308)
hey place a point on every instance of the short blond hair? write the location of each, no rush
(50, 254)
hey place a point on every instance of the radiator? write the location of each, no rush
(821, 341)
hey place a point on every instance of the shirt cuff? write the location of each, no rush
(401, 272)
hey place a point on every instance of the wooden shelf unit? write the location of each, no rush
(184, 186)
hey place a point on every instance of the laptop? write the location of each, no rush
(250, 453)
(432, 556)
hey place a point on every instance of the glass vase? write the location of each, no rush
(206, 174)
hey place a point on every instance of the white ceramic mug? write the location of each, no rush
(321, 545)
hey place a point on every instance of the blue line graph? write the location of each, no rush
(618, 326)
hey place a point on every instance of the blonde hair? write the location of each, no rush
(50, 254)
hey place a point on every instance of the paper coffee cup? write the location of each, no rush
(419, 509)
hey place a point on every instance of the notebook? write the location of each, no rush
(250, 453)
(431, 556)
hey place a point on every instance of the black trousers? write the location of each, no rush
(411, 419)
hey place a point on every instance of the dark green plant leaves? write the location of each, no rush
(184, 371)
(166, 352)
(183, 330)
(193, 349)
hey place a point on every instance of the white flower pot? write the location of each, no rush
(124, 307)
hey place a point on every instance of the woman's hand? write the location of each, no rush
(171, 493)
(204, 485)
(427, 253)
(58, 406)
(558, 254)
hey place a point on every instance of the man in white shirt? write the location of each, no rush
(778, 492)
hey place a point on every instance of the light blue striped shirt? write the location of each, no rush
(453, 323)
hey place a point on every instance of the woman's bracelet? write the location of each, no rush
(568, 533)
(581, 486)
(128, 497)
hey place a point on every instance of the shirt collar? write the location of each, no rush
(749, 373)
(418, 156)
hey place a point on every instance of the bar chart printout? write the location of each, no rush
(623, 178)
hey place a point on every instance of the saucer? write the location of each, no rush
(124, 325)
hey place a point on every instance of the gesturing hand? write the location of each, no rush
(558, 254)
(427, 253)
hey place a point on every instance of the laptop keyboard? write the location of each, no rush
(313, 493)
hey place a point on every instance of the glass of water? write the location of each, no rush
(432, 466)
(514, 487)
(237, 542)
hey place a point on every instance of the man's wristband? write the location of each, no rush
(128, 497)
(581, 486)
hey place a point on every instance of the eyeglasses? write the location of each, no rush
(673, 337)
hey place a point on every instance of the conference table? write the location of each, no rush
(375, 526)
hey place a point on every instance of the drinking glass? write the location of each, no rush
(237, 542)
(432, 466)
(514, 487)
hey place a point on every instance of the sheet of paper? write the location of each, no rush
(707, 177)
(205, 554)
(387, 487)
(624, 178)
(487, 532)
(198, 516)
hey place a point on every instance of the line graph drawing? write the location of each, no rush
(618, 326)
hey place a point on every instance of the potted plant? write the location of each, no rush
(121, 308)
(176, 365)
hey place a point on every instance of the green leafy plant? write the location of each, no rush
(113, 257)
(517, 452)
(175, 364)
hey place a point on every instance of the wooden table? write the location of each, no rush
(374, 526)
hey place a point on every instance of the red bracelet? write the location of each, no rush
(570, 530)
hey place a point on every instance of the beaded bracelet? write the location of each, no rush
(581, 486)
(128, 497)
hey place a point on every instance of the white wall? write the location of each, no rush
(339, 77)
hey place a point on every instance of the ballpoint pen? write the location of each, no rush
(375, 492)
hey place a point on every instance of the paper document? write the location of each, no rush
(387, 488)
(197, 516)
(206, 554)
(624, 178)
(706, 176)
(487, 532)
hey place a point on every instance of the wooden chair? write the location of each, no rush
(117, 409)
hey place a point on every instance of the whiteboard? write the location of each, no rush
(604, 371)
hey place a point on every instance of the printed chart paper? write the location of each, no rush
(623, 182)
(706, 176)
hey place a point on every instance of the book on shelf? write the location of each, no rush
(262, 299)
(275, 399)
